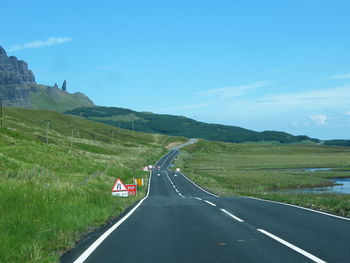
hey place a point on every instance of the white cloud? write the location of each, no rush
(308, 99)
(51, 41)
(340, 76)
(319, 119)
(236, 91)
(294, 124)
(193, 106)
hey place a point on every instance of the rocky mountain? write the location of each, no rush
(19, 89)
(14, 71)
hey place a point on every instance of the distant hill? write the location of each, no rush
(19, 89)
(51, 98)
(181, 126)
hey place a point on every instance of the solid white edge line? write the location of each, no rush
(174, 153)
(209, 203)
(295, 248)
(296, 206)
(157, 163)
(94, 245)
(231, 215)
(171, 161)
(199, 186)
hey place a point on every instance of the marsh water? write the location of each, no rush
(312, 169)
(341, 186)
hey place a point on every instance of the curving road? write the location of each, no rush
(180, 222)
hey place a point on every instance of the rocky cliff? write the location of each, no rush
(14, 71)
(18, 88)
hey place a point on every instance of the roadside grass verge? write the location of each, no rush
(52, 194)
(265, 171)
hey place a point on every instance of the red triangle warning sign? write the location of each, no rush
(119, 186)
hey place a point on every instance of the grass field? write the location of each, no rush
(265, 170)
(56, 175)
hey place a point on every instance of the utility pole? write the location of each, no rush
(47, 132)
(1, 112)
(72, 136)
(133, 126)
(112, 137)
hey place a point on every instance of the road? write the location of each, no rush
(180, 222)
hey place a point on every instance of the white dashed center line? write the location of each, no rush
(295, 248)
(209, 203)
(231, 215)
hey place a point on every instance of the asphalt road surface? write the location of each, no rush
(180, 222)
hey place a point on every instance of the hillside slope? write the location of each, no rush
(51, 98)
(180, 126)
(56, 175)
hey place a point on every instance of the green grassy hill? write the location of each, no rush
(56, 175)
(37, 96)
(50, 98)
(181, 126)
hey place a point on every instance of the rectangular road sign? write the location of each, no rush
(139, 181)
(121, 193)
(132, 189)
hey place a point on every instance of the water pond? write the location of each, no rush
(311, 169)
(342, 187)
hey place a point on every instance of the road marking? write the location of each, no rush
(174, 153)
(308, 209)
(295, 248)
(181, 195)
(94, 245)
(198, 198)
(209, 203)
(176, 190)
(199, 186)
(97, 242)
(231, 215)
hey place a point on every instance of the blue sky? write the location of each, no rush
(263, 65)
